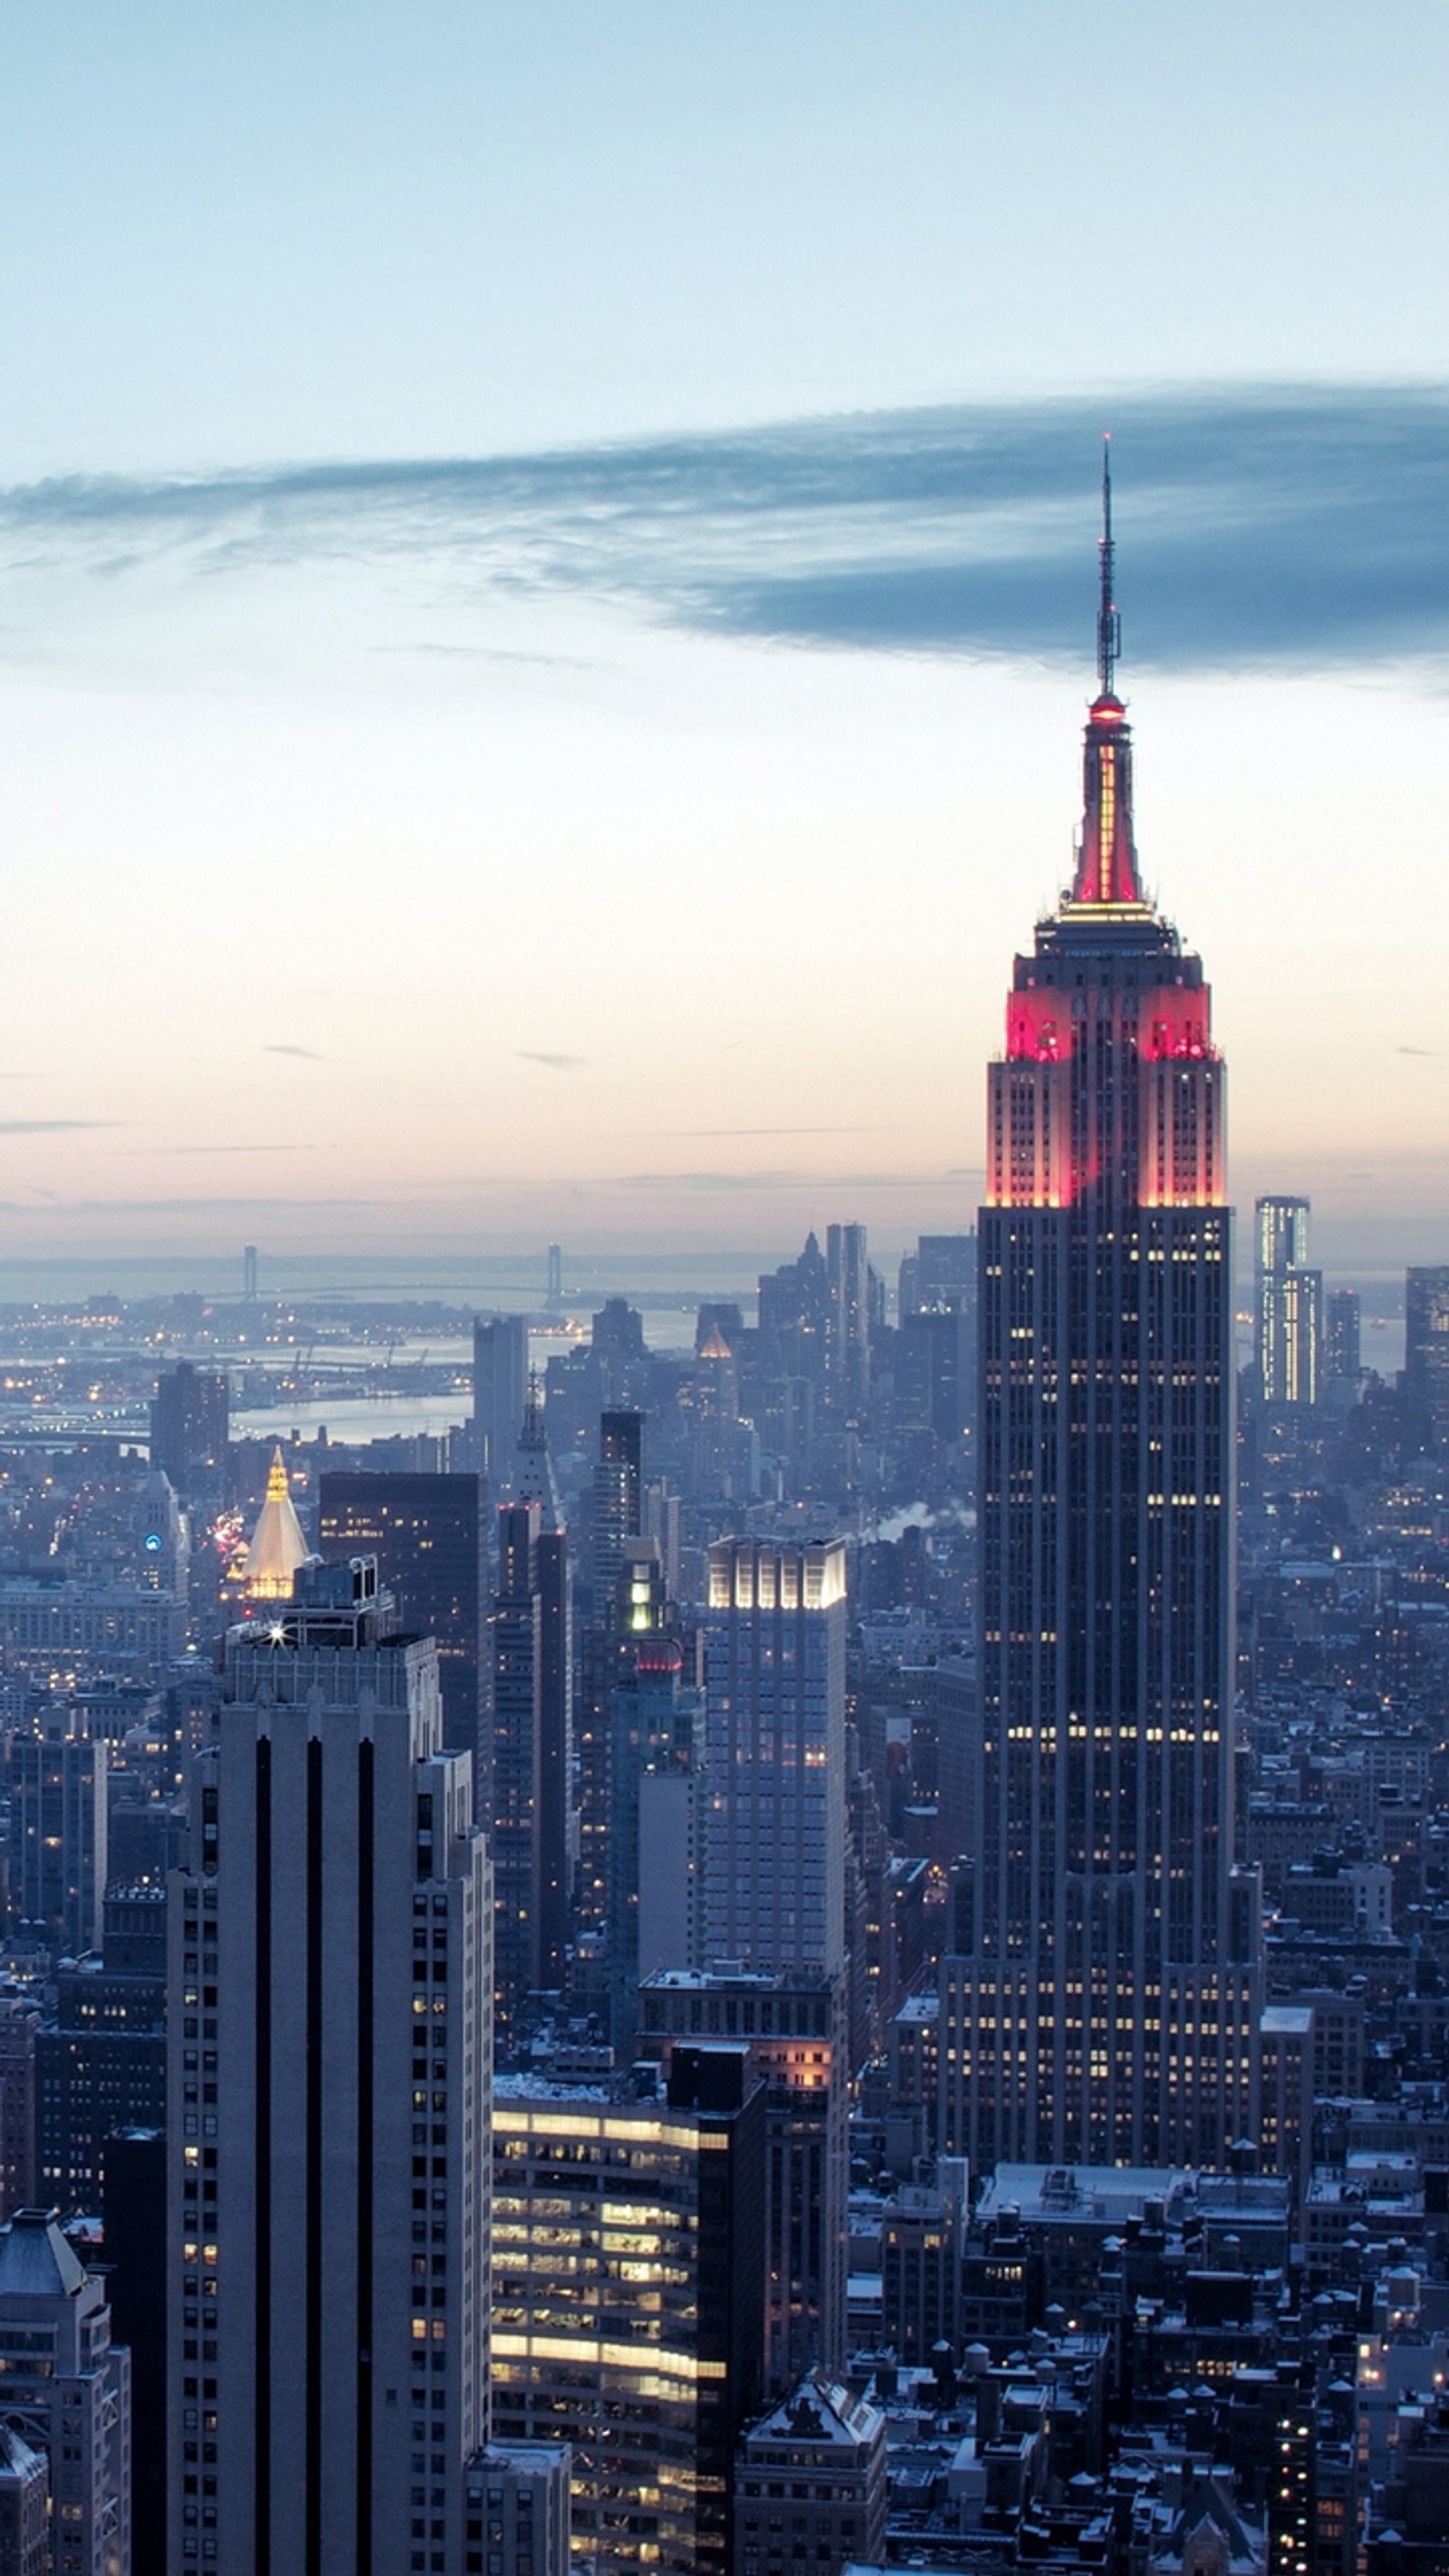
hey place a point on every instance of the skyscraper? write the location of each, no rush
(1288, 1303)
(500, 1391)
(629, 2300)
(774, 1861)
(1104, 2006)
(848, 1335)
(1426, 1350)
(190, 1424)
(1343, 1337)
(431, 1544)
(330, 1972)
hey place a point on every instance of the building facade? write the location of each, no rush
(774, 1858)
(1105, 2006)
(330, 1978)
(1288, 1304)
(431, 1545)
(629, 2301)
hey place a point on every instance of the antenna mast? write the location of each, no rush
(1109, 624)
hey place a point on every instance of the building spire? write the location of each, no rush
(1107, 856)
(1109, 623)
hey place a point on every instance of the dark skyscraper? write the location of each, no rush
(1106, 2008)
(190, 1420)
(428, 1536)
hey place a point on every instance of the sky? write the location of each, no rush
(547, 567)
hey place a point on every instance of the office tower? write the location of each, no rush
(277, 1548)
(629, 2273)
(1289, 1304)
(795, 2029)
(1105, 2005)
(102, 2065)
(775, 1678)
(657, 1773)
(620, 1353)
(618, 1496)
(58, 1832)
(555, 1278)
(20, 2021)
(795, 1306)
(1426, 1351)
(500, 1391)
(811, 2481)
(190, 1426)
(554, 1839)
(249, 1274)
(514, 1773)
(330, 1973)
(1343, 1337)
(133, 2227)
(69, 2387)
(939, 1276)
(430, 1539)
(847, 1340)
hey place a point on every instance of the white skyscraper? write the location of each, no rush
(329, 2022)
(775, 1811)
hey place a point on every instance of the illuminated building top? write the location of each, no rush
(1111, 1088)
(277, 1544)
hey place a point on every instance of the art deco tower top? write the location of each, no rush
(1107, 857)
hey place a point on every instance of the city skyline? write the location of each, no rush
(749, 579)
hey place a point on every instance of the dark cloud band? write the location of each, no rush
(1257, 526)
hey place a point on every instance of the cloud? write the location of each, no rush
(163, 1153)
(1258, 525)
(555, 1063)
(54, 1126)
(1412, 1050)
(308, 1054)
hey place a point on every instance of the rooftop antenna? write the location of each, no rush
(1109, 624)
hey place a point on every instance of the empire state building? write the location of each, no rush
(1104, 2009)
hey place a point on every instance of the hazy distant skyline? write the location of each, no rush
(546, 584)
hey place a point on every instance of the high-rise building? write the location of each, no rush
(500, 1391)
(133, 2222)
(1343, 1336)
(68, 2392)
(1105, 2004)
(190, 1426)
(58, 1831)
(618, 1500)
(848, 1332)
(431, 1544)
(1288, 1299)
(20, 2020)
(330, 1976)
(774, 1859)
(628, 2301)
(795, 2028)
(512, 1808)
(656, 1771)
(1426, 1350)
(102, 2065)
